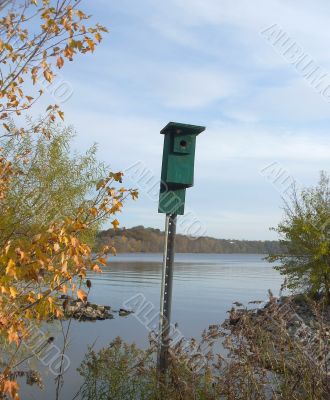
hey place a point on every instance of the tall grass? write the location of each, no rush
(270, 354)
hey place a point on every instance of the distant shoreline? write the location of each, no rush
(189, 252)
(149, 240)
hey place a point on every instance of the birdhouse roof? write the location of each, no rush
(183, 129)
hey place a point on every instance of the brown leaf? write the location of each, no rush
(59, 62)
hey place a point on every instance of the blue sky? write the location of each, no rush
(206, 62)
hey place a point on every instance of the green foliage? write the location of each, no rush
(118, 371)
(51, 183)
(305, 234)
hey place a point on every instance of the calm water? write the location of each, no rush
(205, 286)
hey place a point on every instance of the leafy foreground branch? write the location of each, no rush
(53, 202)
(268, 356)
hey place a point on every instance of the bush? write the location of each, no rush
(305, 234)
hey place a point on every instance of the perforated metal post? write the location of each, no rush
(166, 292)
(177, 175)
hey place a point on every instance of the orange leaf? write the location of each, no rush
(11, 388)
(93, 211)
(115, 223)
(60, 62)
(102, 260)
(82, 295)
(96, 268)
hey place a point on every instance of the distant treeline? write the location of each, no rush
(149, 240)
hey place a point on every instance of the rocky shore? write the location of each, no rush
(86, 311)
(305, 322)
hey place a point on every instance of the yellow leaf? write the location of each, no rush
(4, 289)
(10, 269)
(98, 37)
(115, 223)
(80, 14)
(48, 75)
(65, 266)
(13, 292)
(117, 176)
(76, 260)
(74, 242)
(61, 114)
(91, 44)
(10, 265)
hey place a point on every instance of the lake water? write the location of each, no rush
(205, 286)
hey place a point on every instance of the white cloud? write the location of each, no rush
(295, 101)
(230, 141)
(243, 20)
(194, 87)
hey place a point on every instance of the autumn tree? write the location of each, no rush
(36, 37)
(43, 247)
(305, 236)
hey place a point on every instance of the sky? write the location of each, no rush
(215, 63)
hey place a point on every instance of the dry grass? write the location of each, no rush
(271, 354)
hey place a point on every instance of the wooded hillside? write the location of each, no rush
(149, 240)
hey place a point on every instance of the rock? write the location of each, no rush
(77, 309)
(124, 313)
(295, 313)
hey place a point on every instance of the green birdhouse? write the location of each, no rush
(178, 166)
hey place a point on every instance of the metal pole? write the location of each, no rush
(166, 293)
